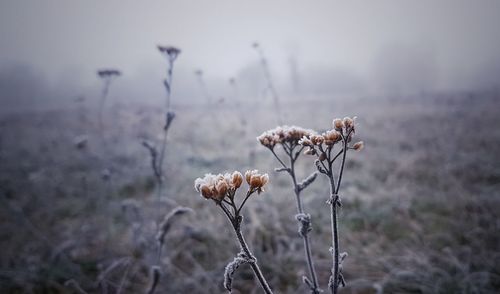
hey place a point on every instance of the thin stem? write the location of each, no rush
(279, 159)
(267, 74)
(235, 221)
(334, 222)
(250, 192)
(341, 167)
(336, 156)
(161, 158)
(104, 95)
(253, 265)
(335, 237)
(307, 248)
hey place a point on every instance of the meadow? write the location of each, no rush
(420, 204)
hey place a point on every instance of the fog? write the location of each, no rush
(313, 48)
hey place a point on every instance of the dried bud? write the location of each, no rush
(256, 180)
(264, 179)
(317, 139)
(206, 192)
(221, 189)
(248, 175)
(338, 124)
(358, 146)
(236, 179)
(348, 122)
(322, 156)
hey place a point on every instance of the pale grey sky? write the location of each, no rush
(61, 36)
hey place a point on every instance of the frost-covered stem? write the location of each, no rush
(305, 237)
(334, 198)
(335, 237)
(244, 247)
(168, 89)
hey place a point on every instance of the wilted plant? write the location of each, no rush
(322, 147)
(108, 76)
(288, 138)
(269, 80)
(171, 54)
(222, 189)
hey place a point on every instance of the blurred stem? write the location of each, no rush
(161, 158)
(104, 95)
(272, 89)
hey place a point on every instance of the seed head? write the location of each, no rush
(348, 122)
(108, 73)
(358, 146)
(283, 134)
(332, 137)
(317, 139)
(338, 124)
(236, 179)
(169, 51)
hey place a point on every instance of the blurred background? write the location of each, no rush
(78, 196)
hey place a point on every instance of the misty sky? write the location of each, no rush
(59, 37)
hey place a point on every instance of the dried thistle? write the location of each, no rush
(289, 139)
(222, 189)
(322, 146)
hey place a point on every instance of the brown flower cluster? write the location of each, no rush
(217, 187)
(283, 134)
(342, 130)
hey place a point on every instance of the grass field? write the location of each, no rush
(421, 207)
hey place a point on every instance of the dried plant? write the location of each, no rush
(157, 158)
(269, 80)
(163, 229)
(322, 147)
(288, 138)
(203, 86)
(108, 76)
(222, 189)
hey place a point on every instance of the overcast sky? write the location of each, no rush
(63, 36)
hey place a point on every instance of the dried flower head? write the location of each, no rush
(255, 180)
(283, 134)
(331, 137)
(108, 73)
(338, 124)
(169, 51)
(217, 187)
(236, 179)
